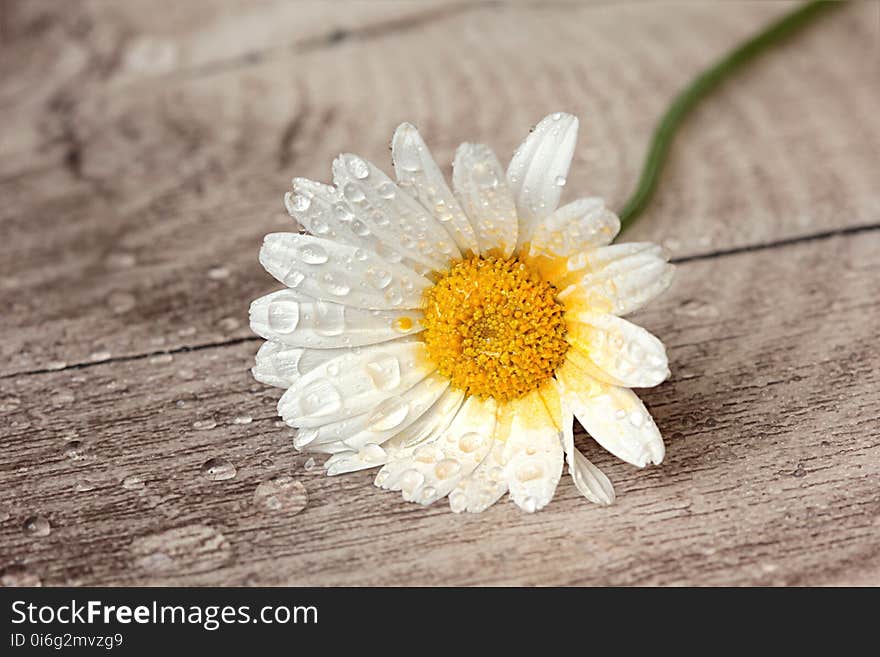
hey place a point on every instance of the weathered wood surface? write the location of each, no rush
(143, 156)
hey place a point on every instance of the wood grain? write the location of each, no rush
(772, 470)
(145, 151)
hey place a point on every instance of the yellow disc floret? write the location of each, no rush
(494, 327)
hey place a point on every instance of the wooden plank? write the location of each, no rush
(771, 477)
(133, 211)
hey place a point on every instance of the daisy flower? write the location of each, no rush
(450, 337)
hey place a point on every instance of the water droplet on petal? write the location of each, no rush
(386, 190)
(384, 371)
(410, 481)
(313, 254)
(470, 442)
(378, 278)
(320, 398)
(560, 181)
(353, 192)
(329, 318)
(358, 167)
(484, 175)
(283, 316)
(335, 283)
(294, 277)
(388, 414)
(372, 454)
(447, 468)
(296, 202)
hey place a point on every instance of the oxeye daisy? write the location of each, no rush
(449, 337)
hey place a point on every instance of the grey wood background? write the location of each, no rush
(144, 150)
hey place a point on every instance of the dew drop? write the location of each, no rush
(98, 356)
(560, 181)
(334, 283)
(203, 425)
(636, 418)
(133, 482)
(378, 278)
(218, 469)
(309, 464)
(484, 175)
(320, 398)
(161, 359)
(294, 277)
(410, 481)
(242, 419)
(296, 202)
(372, 454)
(73, 450)
(447, 468)
(319, 227)
(470, 442)
(386, 190)
(359, 228)
(37, 526)
(283, 316)
(388, 414)
(329, 319)
(313, 254)
(384, 371)
(218, 273)
(283, 494)
(358, 167)
(353, 192)
(529, 472)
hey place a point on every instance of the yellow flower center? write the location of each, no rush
(494, 327)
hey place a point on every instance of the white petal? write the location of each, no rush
(532, 453)
(280, 365)
(391, 418)
(324, 212)
(481, 188)
(354, 383)
(435, 468)
(538, 169)
(588, 479)
(485, 486)
(613, 416)
(322, 269)
(580, 226)
(432, 422)
(617, 279)
(394, 216)
(616, 351)
(415, 166)
(292, 318)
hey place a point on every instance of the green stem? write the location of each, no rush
(694, 92)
